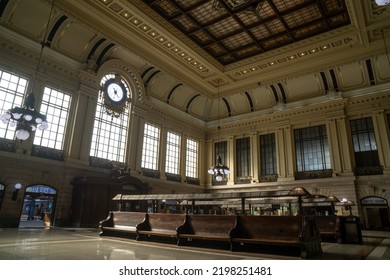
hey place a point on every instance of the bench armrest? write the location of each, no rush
(108, 222)
(185, 228)
(144, 225)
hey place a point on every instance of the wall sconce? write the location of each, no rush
(348, 205)
(18, 186)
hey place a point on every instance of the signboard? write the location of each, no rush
(373, 200)
(41, 189)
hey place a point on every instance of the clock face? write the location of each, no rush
(115, 92)
(115, 96)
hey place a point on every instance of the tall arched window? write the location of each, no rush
(109, 132)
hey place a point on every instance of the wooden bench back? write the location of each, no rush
(128, 218)
(162, 221)
(270, 227)
(326, 223)
(211, 224)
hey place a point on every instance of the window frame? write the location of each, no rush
(268, 159)
(308, 145)
(151, 147)
(53, 111)
(243, 157)
(110, 134)
(192, 158)
(172, 153)
(15, 93)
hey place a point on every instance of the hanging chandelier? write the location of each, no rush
(26, 119)
(219, 170)
(382, 2)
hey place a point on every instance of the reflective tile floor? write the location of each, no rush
(37, 243)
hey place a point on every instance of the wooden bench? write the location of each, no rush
(278, 233)
(160, 224)
(122, 224)
(206, 227)
(329, 228)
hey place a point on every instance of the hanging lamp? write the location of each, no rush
(26, 119)
(219, 170)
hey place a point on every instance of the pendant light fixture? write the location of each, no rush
(219, 170)
(26, 119)
(382, 2)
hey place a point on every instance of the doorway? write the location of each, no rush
(376, 213)
(38, 206)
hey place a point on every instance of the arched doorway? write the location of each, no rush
(38, 206)
(376, 213)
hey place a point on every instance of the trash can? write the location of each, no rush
(350, 230)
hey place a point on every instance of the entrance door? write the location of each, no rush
(373, 218)
(376, 212)
(38, 206)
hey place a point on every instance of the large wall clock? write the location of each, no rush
(115, 96)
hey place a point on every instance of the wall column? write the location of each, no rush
(209, 159)
(162, 153)
(183, 155)
(136, 134)
(203, 167)
(344, 141)
(285, 153)
(232, 159)
(255, 157)
(84, 117)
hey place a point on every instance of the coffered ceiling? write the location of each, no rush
(204, 57)
(233, 30)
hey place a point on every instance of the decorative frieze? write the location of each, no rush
(151, 173)
(315, 174)
(49, 153)
(369, 170)
(7, 145)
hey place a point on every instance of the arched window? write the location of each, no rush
(109, 132)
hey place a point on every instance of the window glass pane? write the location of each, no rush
(243, 157)
(150, 148)
(268, 164)
(364, 143)
(192, 158)
(221, 150)
(172, 153)
(56, 115)
(311, 149)
(12, 92)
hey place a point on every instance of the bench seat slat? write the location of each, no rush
(267, 240)
(200, 236)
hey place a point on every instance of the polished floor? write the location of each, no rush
(37, 242)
